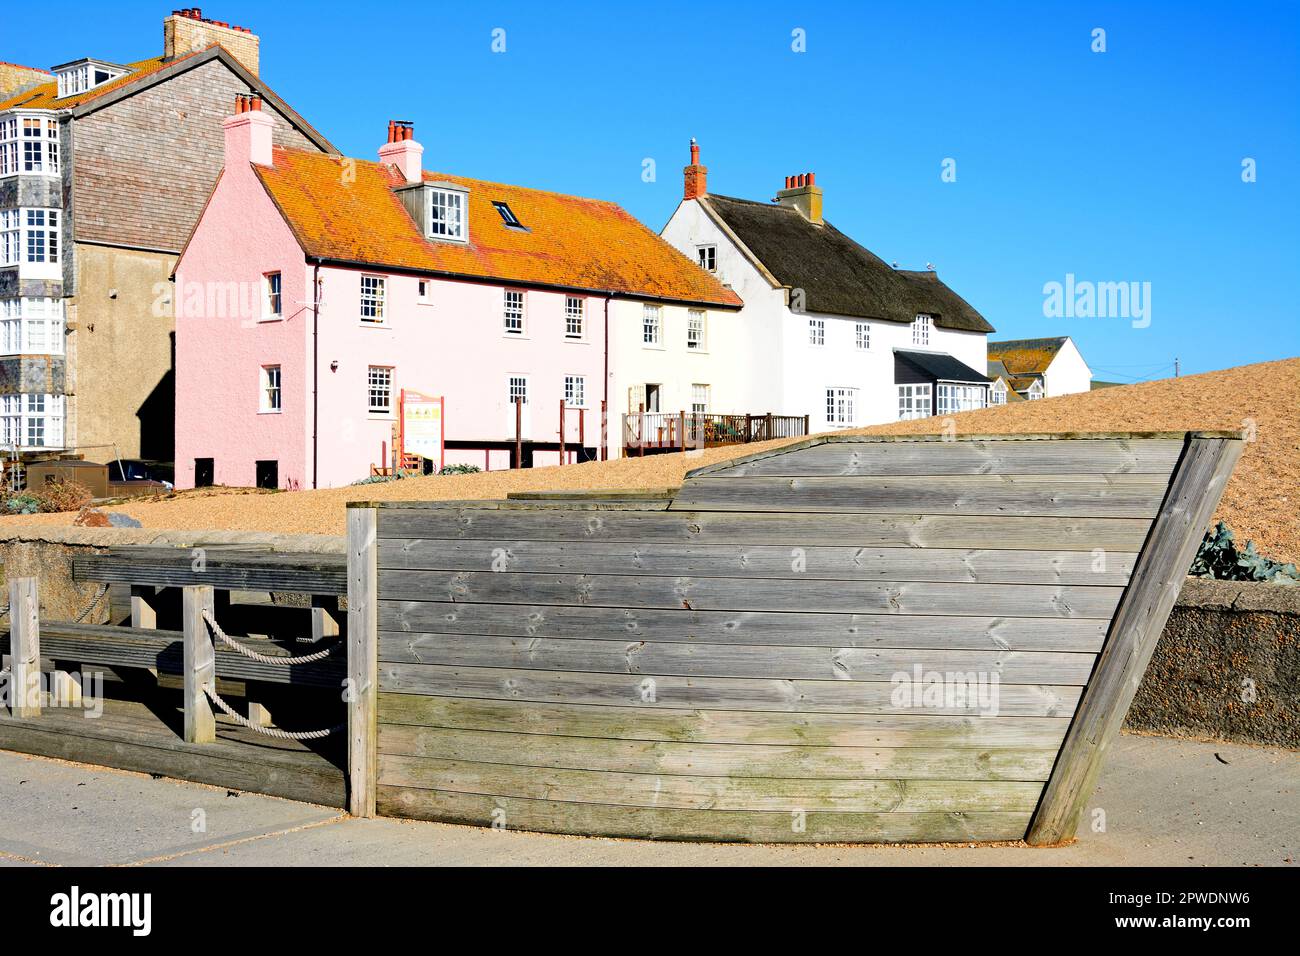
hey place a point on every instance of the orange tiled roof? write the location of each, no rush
(46, 96)
(346, 210)
(1025, 356)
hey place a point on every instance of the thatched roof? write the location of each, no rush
(837, 275)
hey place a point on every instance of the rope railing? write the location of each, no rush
(280, 659)
(268, 731)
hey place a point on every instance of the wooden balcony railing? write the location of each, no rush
(683, 430)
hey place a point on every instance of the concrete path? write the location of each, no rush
(1165, 803)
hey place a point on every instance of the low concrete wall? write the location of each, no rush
(46, 553)
(1227, 666)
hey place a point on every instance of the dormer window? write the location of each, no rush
(508, 216)
(447, 218)
(83, 75)
(921, 326)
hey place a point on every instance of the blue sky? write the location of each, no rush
(1122, 166)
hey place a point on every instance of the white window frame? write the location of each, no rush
(374, 293)
(697, 330)
(922, 325)
(514, 313)
(24, 229)
(956, 397)
(841, 406)
(575, 317)
(1035, 390)
(817, 332)
(516, 387)
(379, 385)
(29, 145)
(31, 325)
(423, 290)
(998, 393)
(910, 398)
(706, 255)
(448, 214)
(862, 335)
(575, 391)
(700, 398)
(271, 396)
(31, 420)
(652, 326)
(272, 296)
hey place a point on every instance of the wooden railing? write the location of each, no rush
(682, 430)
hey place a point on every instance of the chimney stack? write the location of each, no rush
(403, 151)
(248, 133)
(802, 193)
(696, 175)
(186, 31)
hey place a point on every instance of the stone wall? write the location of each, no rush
(1227, 666)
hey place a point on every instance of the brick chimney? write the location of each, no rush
(186, 31)
(403, 151)
(696, 175)
(802, 193)
(248, 134)
(15, 79)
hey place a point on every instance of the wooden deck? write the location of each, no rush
(144, 735)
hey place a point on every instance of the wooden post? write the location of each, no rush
(144, 611)
(1194, 491)
(805, 425)
(681, 427)
(582, 434)
(200, 724)
(24, 648)
(561, 431)
(363, 667)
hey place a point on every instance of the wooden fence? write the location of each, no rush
(849, 639)
(677, 431)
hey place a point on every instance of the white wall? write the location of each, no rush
(1068, 372)
(771, 367)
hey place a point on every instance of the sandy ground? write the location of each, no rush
(1260, 502)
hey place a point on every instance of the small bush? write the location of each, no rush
(1220, 558)
(63, 496)
(24, 503)
(460, 470)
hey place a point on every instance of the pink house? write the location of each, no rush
(315, 288)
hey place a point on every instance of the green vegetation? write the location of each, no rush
(1220, 558)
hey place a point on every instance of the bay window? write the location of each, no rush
(913, 402)
(29, 236)
(31, 326)
(960, 398)
(28, 144)
(840, 404)
(31, 420)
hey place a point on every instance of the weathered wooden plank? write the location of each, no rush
(362, 649)
(1194, 493)
(128, 736)
(1002, 457)
(952, 565)
(670, 791)
(794, 530)
(514, 813)
(720, 726)
(1091, 496)
(162, 650)
(24, 681)
(716, 760)
(745, 627)
(712, 693)
(217, 568)
(200, 725)
(774, 662)
(739, 594)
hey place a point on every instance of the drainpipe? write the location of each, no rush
(315, 369)
(604, 425)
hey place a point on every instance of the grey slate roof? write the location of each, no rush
(839, 276)
(940, 366)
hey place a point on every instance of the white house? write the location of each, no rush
(1038, 368)
(828, 329)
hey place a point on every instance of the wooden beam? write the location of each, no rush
(200, 723)
(25, 648)
(1194, 492)
(363, 643)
